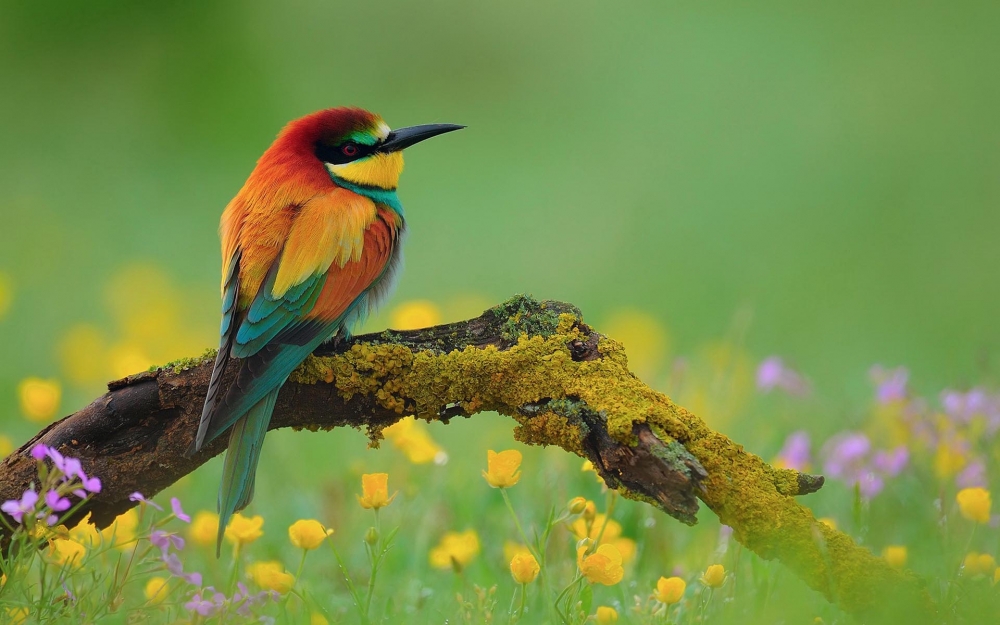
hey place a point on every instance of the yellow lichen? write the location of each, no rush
(549, 428)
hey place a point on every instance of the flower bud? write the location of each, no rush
(576, 505)
(371, 536)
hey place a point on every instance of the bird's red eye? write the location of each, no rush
(349, 149)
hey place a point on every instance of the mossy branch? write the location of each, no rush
(537, 362)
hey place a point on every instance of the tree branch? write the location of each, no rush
(562, 382)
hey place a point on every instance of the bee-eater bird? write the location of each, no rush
(310, 245)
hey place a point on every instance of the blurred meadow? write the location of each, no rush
(789, 214)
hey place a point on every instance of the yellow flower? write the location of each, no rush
(318, 619)
(271, 576)
(121, 532)
(307, 533)
(524, 568)
(39, 398)
(64, 551)
(626, 547)
(127, 358)
(602, 567)
(511, 549)
(156, 590)
(503, 469)
(589, 466)
(895, 555)
(415, 315)
(669, 590)
(606, 615)
(611, 534)
(455, 550)
(996, 576)
(6, 446)
(589, 511)
(576, 505)
(611, 529)
(949, 458)
(375, 491)
(714, 576)
(204, 528)
(829, 522)
(244, 530)
(979, 564)
(974, 504)
(16, 616)
(85, 533)
(413, 440)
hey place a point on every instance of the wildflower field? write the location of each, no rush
(461, 524)
(784, 214)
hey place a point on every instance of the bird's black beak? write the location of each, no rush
(405, 137)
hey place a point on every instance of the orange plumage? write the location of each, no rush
(309, 245)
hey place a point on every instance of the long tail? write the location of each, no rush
(240, 467)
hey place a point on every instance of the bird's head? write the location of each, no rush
(356, 146)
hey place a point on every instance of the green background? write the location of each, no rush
(833, 167)
(815, 180)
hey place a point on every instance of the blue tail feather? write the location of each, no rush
(240, 467)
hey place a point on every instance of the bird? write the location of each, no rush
(311, 244)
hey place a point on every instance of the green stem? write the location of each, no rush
(524, 594)
(374, 557)
(235, 576)
(350, 585)
(512, 617)
(517, 522)
(298, 575)
(562, 594)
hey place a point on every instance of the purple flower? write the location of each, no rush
(725, 534)
(17, 509)
(72, 468)
(90, 485)
(974, 474)
(57, 459)
(890, 383)
(773, 373)
(241, 592)
(849, 457)
(795, 453)
(892, 462)
(175, 505)
(137, 496)
(844, 454)
(174, 564)
(870, 484)
(56, 502)
(39, 451)
(769, 373)
(171, 560)
(203, 606)
(164, 541)
(976, 403)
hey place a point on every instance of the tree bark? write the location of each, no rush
(537, 362)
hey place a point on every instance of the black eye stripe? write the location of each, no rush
(334, 154)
